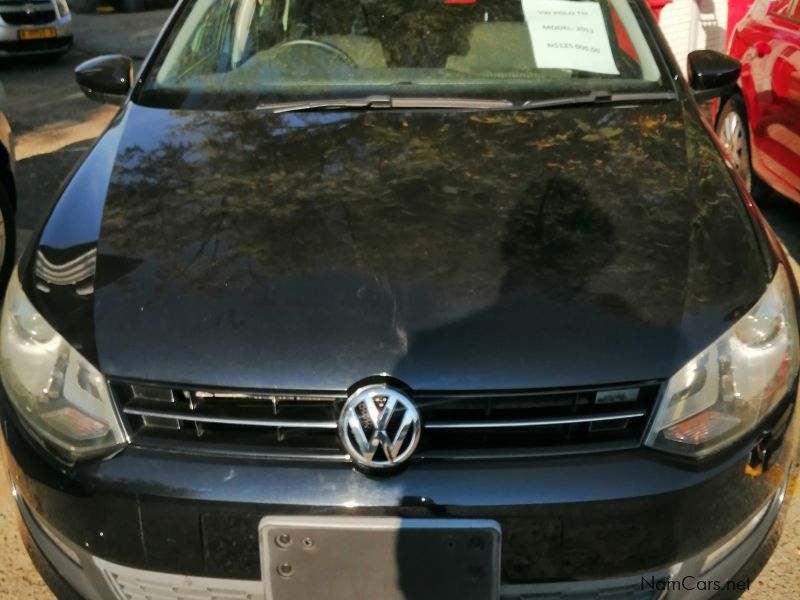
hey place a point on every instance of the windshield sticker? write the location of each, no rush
(569, 35)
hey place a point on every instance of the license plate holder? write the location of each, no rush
(42, 33)
(356, 558)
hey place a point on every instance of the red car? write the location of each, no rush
(759, 124)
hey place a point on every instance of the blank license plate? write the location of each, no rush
(363, 558)
(37, 34)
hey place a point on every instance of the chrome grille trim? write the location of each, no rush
(197, 418)
(534, 422)
(275, 398)
(69, 273)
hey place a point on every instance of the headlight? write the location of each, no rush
(63, 7)
(724, 392)
(59, 395)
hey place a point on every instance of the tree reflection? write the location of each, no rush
(426, 227)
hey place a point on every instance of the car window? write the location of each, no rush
(291, 49)
(623, 40)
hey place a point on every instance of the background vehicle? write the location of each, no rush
(35, 27)
(759, 124)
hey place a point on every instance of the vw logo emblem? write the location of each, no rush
(379, 427)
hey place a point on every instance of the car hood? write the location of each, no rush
(451, 250)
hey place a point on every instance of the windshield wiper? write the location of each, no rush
(379, 102)
(385, 103)
(597, 97)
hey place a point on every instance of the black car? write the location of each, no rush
(432, 299)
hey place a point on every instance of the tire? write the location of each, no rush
(8, 239)
(733, 132)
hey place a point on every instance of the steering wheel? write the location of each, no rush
(329, 48)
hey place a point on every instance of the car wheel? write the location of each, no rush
(733, 132)
(8, 238)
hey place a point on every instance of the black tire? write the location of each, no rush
(8, 241)
(736, 141)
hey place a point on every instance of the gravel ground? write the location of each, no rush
(18, 578)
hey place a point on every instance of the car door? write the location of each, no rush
(774, 61)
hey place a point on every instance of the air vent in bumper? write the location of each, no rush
(134, 584)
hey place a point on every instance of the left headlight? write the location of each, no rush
(58, 394)
(728, 389)
(63, 8)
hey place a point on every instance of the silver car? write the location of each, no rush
(35, 27)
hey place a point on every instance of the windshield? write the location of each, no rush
(262, 51)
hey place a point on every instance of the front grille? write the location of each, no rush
(458, 425)
(41, 17)
(135, 584)
(27, 13)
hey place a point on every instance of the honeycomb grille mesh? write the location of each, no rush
(134, 584)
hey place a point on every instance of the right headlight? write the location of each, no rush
(59, 395)
(727, 390)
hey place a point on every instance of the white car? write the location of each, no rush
(35, 27)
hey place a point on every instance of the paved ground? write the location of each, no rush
(55, 125)
(53, 121)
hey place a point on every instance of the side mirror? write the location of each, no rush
(712, 74)
(106, 79)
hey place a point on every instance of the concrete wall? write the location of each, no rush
(693, 25)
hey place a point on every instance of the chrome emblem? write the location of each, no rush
(379, 427)
(29, 9)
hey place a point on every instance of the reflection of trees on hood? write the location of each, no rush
(585, 201)
(539, 236)
(725, 262)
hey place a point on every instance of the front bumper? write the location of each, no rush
(619, 525)
(11, 45)
(95, 579)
